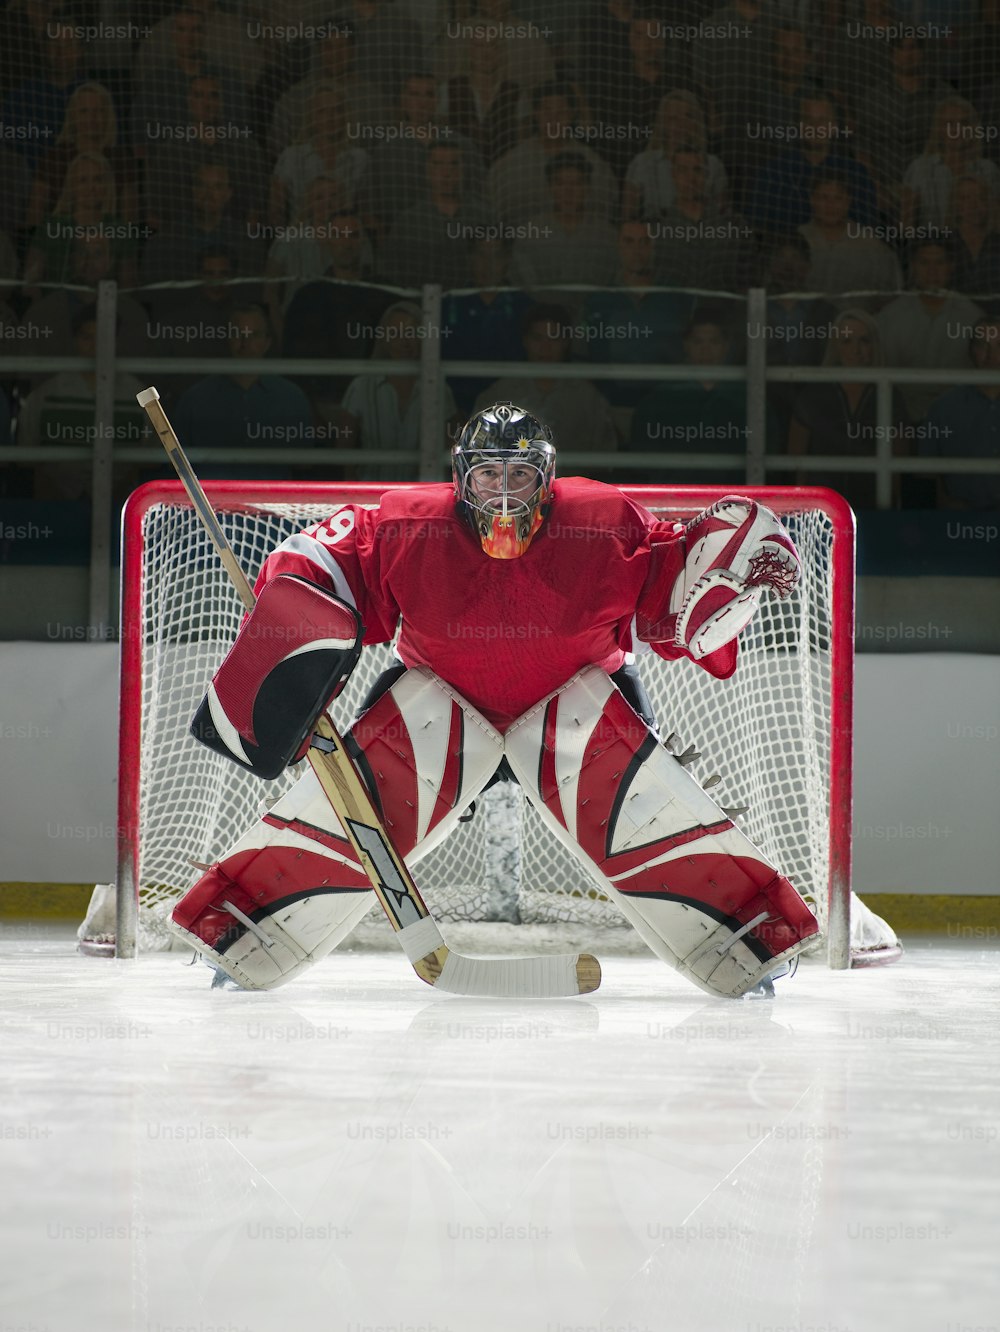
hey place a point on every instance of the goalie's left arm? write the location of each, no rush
(704, 589)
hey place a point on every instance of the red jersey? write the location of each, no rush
(503, 633)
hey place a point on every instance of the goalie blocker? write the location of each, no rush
(293, 654)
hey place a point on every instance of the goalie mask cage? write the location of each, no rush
(778, 733)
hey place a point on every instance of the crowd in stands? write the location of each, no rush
(262, 182)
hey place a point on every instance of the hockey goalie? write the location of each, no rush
(516, 602)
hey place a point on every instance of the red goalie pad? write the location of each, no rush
(701, 894)
(292, 886)
(293, 654)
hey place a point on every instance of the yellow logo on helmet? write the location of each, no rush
(522, 443)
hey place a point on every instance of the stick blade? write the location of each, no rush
(543, 977)
(588, 973)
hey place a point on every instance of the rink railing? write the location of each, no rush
(432, 457)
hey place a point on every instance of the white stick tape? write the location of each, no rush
(420, 938)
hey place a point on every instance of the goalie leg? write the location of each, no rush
(697, 890)
(292, 887)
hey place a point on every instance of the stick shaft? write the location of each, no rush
(398, 895)
(158, 420)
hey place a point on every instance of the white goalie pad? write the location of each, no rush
(292, 887)
(697, 890)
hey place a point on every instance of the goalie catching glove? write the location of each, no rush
(732, 551)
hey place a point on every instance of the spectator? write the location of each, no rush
(24, 37)
(972, 61)
(226, 41)
(178, 52)
(735, 47)
(432, 242)
(482, 100)
(196, 320)
(164, 78)
(47, 325)
(385, 408)
(649, 183)
(516, 182)
(790, 75)
(16, 193)
(624, 101)
(954, 148)
(602, 42)
(841, 418)
(389, 45)
(396, 175)
(701, 244)
(174, 253)
(894, 117)
(579, 415)
(34, 112)
(975, 238)
(772, 98)
(928, 327)
(323, 234)
(8, 261)
(852, 36)
(323, 149)
(965, 422)
(566, 244)
(484, 325)
(842, 257)
(208, 132)
(702, 416)
(633, 325)
(777, 198)
(244, 409)
(798, 327)
(90, 126)
(333, 62)
(335, 317)
(86, 207)
(520, 46)
(61, 411)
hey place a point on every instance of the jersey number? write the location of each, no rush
(339, 525)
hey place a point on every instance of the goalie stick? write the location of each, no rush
(434, 962)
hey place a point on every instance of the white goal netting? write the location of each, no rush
(773, 732)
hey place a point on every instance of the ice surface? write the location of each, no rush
(357, 1152)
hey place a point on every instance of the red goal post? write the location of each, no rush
(779, 733)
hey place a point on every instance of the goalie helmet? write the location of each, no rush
(504, 464)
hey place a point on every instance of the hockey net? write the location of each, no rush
(778, 733)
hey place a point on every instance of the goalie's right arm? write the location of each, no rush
(338, 554)
(296, 648)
